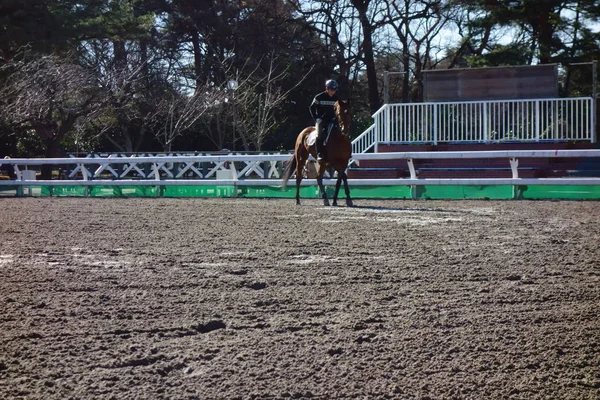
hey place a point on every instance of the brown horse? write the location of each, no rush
(338, 151)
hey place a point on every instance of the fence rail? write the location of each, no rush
(118, 166)
(481, 121)
(237, 168)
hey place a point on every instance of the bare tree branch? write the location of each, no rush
(48, 94)
(256, 100)
(178, 112)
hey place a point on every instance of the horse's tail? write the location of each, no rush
(289, 170)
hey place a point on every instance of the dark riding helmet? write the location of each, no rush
(331, 84)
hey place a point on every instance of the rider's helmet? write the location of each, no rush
(331, 84)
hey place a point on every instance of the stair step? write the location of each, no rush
(360, 173)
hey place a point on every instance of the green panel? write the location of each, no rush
(134, 191)
(380, 192)
(306, 192)
(565, 192)
(198, 191)
(8, 191)
(78, 191)
(499, 192)
(102, 191)
(269, 191)
(123, 191)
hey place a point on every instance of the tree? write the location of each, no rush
(257, 98)
(369, 26)
(334, 27)
(417, 24)
(500, 32)
(153, 61)
(221, 41)
(119, 43)
(42, 26)
(178, 112)
(129, 102)
(48, 94)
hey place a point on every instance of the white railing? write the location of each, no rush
(481, 121)
(365, 141)
(234, 176)
(121, 166)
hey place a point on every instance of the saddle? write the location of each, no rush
(312, 137)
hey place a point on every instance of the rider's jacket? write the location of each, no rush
(322, 106)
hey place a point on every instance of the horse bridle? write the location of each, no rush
(344, 129)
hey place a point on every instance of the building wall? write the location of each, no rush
(497, 83)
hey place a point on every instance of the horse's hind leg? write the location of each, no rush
(298, 180)
(299, 167)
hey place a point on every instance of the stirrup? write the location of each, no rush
(320, 158)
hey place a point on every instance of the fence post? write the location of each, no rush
(486, 123)
(387, 123)
(594, 98)
(435, 124)
(375, 135)
(537, 120)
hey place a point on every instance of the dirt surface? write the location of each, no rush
(248, 298)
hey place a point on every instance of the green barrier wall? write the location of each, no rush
(496, 192)
(500, 192)
(560, 192)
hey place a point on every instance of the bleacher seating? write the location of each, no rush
(480, 168)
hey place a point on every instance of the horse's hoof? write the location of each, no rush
(326, 203)
(349, 203)
(334, 203)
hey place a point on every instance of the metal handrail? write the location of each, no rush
(531, 120)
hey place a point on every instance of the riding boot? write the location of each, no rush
(319, 146)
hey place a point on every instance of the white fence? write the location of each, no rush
(481, 121)
(119, 166)
(249, 170)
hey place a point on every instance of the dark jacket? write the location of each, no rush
(322, 106)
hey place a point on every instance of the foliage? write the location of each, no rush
(148, 75)
(47, 94)
(545, 31)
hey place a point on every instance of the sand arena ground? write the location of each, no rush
(248, 298)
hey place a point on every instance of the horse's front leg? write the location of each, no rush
(320, 172)
(347, 190)
(322, 190)
(338, 183)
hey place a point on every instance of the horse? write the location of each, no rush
(338, 151)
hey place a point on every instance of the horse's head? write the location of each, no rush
(342, 112)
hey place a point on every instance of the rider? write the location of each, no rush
(323, 113)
